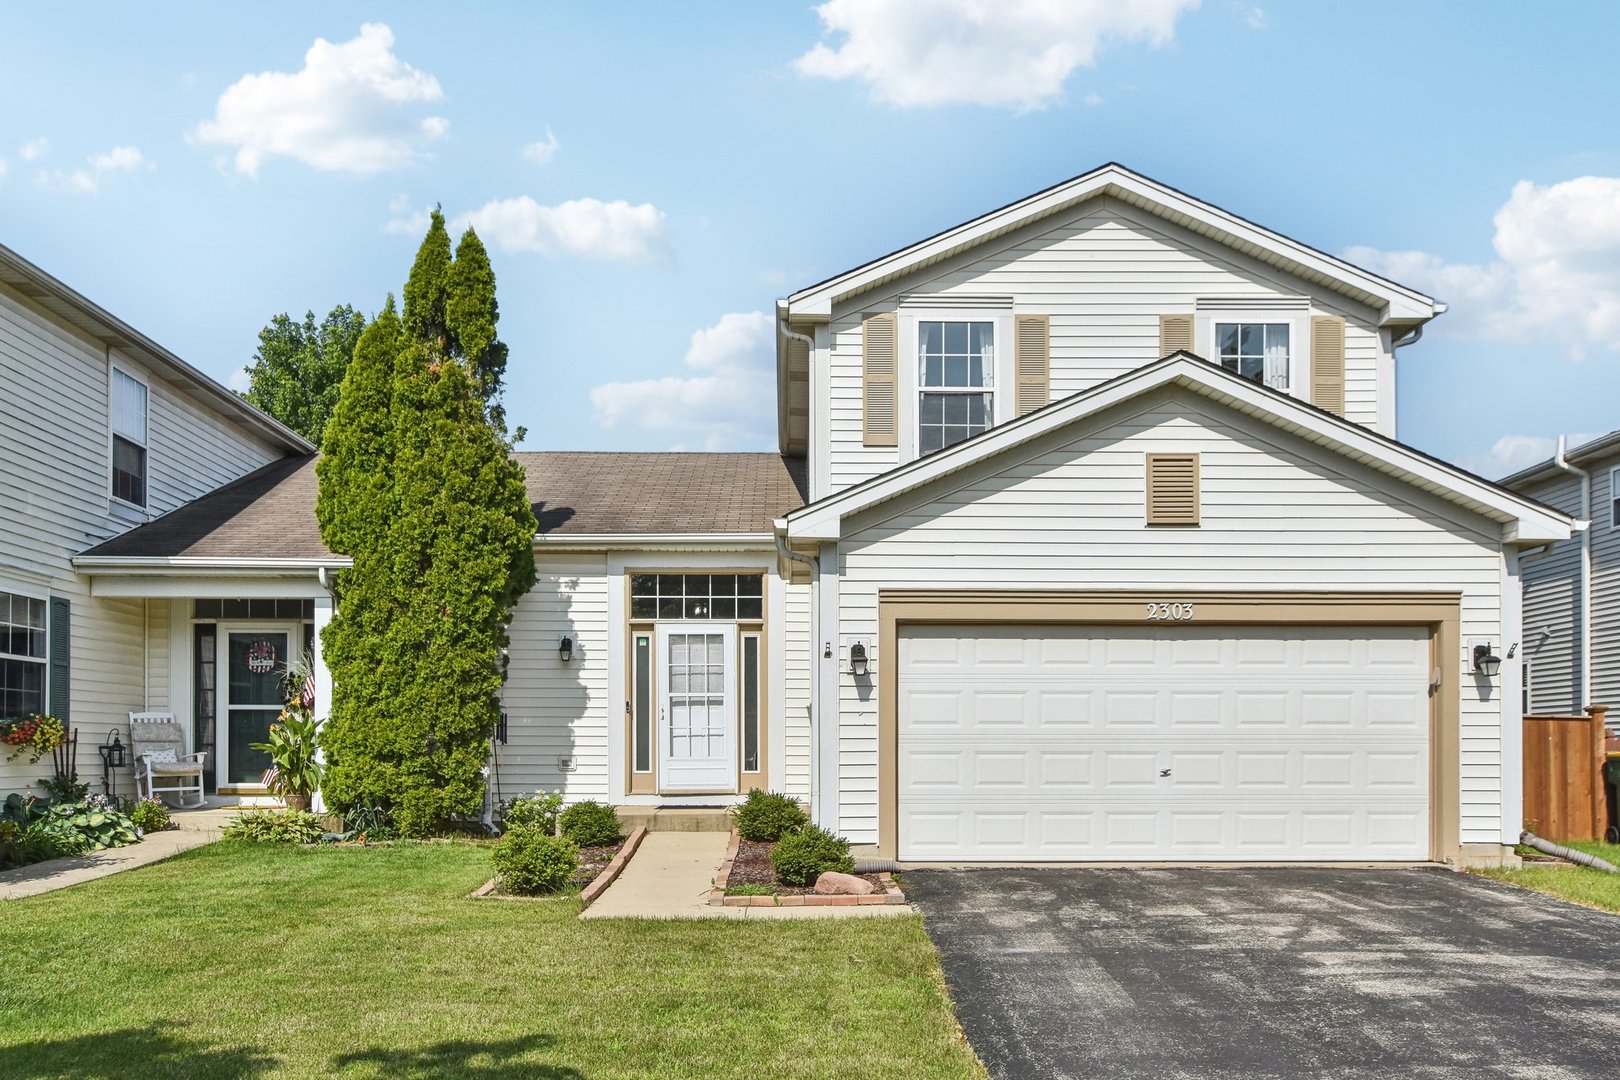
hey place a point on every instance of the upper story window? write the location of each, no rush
(128, 438)
(956, 365)
(1614, 497)
(22, 655)
(1260, 351)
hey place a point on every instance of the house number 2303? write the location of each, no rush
(1169, 612)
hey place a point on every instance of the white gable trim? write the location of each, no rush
(1396, 303)
(1523, 520)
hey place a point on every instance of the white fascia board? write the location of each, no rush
(1528, 521)
(118, 564)
(1401, 304)
(656, 541)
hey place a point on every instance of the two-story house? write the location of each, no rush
(1088, 538)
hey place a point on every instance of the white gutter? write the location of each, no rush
(1561, 462)
(169, 564)
(815, 654)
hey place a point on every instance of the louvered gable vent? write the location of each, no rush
(1172, 489)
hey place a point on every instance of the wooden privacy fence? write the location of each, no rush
(1564, 797)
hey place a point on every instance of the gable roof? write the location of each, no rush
(91, 319)
(1399, 305)
(1524, 520)
(1586, 453)
(267, 520)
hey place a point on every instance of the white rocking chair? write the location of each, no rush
(162, 767)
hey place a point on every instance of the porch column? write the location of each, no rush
(323, 678)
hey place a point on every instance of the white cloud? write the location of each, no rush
(406, 221)
(349, 109)
(1556, 278)
(1007, 53)
(1093, 100)
(96, 171)
(240, 380)
(588, 227)
(726, 403)
(542, 151)
(33, 151)
(1256, 18)
(1511, 453)
(4, 168)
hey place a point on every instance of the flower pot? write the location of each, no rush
(297, 802)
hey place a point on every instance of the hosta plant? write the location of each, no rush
(99, 824)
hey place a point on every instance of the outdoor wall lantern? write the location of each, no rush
(1486, 662)
(857, 660)
(565, 649)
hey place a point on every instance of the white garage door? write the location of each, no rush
(1176, 742)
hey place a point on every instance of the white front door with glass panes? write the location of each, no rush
(697, 707)
(956, 378)
(255, 665)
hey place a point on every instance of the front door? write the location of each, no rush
(697, 708)
(255, 665)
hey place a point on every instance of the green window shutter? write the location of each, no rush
(60, 659)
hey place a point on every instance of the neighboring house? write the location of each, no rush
(1028, 579)
(1567, 661)
(101, 431)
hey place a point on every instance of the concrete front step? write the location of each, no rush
(675, 818)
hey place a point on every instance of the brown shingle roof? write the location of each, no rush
(270, 514)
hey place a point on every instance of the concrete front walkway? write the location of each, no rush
(194, 828)
(671, 876)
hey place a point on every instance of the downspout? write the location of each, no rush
(786, 552)
(1585, 478)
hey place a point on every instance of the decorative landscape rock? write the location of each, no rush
(832, 883)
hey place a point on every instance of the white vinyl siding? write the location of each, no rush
(1104, 275)
(54, 503)
(554, 709)
(795, 695)
(1065, 512)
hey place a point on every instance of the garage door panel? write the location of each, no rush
(1163, 743)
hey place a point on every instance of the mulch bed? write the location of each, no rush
(753, 867)
(593, 860)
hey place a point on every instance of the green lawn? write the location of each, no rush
(1594, 888)
(242, 961)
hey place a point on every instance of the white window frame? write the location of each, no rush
(1614, 498)
(1001, 392)
(45, 661)
(135, 375)
(1298, 339)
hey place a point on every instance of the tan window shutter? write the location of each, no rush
(1033, 341)
(880, 371)
(1327, 363)
(1172, 489)
(1175, 334)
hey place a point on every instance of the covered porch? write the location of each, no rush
(216, 642)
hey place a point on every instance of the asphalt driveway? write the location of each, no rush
(1273, 972)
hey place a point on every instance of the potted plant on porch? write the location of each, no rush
(294, 741)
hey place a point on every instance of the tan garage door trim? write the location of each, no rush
(1440, 612)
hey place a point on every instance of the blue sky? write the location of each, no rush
(651, 176)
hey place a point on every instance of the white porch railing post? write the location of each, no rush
(323, 680)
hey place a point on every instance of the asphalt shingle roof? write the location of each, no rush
(270, 513)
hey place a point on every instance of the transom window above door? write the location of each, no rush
(697, 596)
(956, 365)
(1258, 351)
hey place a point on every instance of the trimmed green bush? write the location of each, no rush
(803, 856)
(590, 824)
(532, 861)
(276, 827)
(95, 821)
(765, 816)
(539, 810)
(149, 816)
